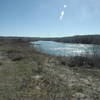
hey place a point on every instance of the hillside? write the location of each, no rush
(26, 74)
(84, 39)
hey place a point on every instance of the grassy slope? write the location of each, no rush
(26, 74)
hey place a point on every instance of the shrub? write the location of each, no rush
(15, 55)
(0, 63)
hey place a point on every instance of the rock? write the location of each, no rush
(85, 81)
(79, 96)
(37, 77)
(98, 89)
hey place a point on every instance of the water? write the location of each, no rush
(66, 49)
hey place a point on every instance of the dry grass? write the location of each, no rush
(26, 74)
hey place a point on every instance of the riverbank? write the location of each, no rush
(79, 39)
(26, 74)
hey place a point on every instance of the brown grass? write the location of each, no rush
(26, 74)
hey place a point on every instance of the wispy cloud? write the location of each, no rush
(62, 13)
(65, 6)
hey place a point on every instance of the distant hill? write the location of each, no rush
(84, 39)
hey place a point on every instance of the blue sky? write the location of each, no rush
(49, 18)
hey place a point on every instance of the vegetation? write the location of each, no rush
(84, 39)
(26, 74)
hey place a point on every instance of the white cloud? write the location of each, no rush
(62, 14)
(65, 6)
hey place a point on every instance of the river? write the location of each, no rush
(66, 49)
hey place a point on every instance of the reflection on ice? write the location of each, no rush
(64, 49)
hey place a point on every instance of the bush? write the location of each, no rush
(77, 61)
(84, 61)
(0, 63)
(90, 59)
(15, 55)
